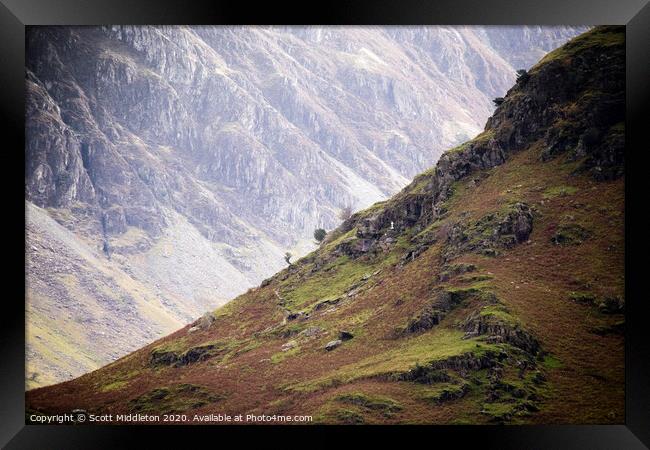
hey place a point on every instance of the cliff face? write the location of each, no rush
(191, 159)
(489, 290)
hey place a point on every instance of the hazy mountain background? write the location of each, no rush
(168, 169)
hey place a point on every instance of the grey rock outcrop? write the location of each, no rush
(331, 345)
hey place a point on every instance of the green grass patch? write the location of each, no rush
(227, 310)
(114, 386)
(173, 399)
(328, 283)
(475, 278)
(441, 392)
(497, 410)
(385, 405)
(343, 237)
(359, 318)
(559, 191)
(178, 345)
(551, 362)
(498, 312)
(251, 345)
(348, 416)
(277, 358)
(570, 234)
(423, 349)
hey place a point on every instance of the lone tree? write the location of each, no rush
(522, 76)
(287, 257)
(345, 213)
(497, 101)
(319, 235)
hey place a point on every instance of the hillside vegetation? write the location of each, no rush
(187, 160)
(489, 290)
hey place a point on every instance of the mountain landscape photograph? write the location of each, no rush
(339, 225)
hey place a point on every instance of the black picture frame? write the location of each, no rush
(15, 15)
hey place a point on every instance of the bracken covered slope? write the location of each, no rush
(180, 163)
(489, 290)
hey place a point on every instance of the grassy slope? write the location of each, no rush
(247, 370)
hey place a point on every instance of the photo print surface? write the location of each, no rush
(325, 224)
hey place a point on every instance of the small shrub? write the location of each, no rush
(319, 234)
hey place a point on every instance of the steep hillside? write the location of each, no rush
(190, 159)
(490, 289)
(61, 339)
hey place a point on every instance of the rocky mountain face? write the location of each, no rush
(488, 290)
(180, 163)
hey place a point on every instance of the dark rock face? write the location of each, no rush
(114, 220)
(518, 222)
(196, 354)
(445, 301)
(300, 315)
(191, 356)
(500, 331)
(56, 172)
(159, 359)
(503, 229)
(453, 394)
(592, 81)
(427, 319)
(357, 247)
(345, 335)
(326, 304)
(463, 364)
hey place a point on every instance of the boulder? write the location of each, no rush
(300, 315)
(326, 303)
(345, 335)
(311, 331)
(331, 345)
(518, 222)
(205, 321)
(289, 345)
